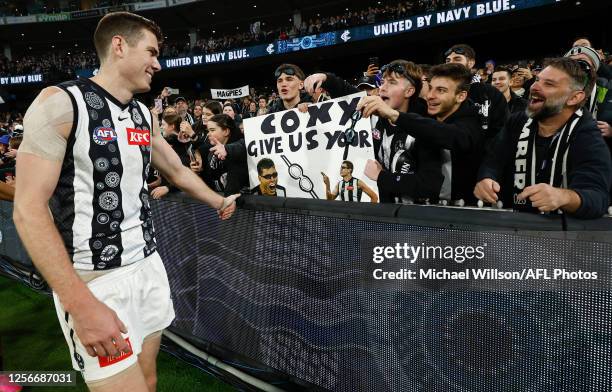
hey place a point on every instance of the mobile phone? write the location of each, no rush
(173, 91)
(159, 106)
(191, 153)
(373, 60)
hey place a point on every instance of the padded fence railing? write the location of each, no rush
(285, 287)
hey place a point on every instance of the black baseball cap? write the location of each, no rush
(180, 98)
(367, 81)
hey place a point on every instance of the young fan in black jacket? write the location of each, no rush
(407, 170)
(452, 126)
(491, 104)
(555, 159)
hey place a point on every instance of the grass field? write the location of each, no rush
(31, 339)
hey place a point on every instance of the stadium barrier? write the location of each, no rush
(285, 291)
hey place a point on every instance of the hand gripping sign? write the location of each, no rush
(319, 154)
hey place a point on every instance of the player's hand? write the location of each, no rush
(544, 197)
(375, 105)
(372, 169)
(487, 190)
(217, 148)
(229, 206)
(313, 82)
(325, 179)
(99, 329)
(160, 192)
(605, 128)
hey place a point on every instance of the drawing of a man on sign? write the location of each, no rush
(303, 146)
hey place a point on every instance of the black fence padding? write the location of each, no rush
(283, 287)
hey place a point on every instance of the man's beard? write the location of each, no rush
(548, 109)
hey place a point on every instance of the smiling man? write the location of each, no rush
(553, 156)
(82, 208)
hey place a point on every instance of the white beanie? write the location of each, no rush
(590, 52)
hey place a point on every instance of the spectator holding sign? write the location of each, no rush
(452, 127)
(407, 169)
(289, 83)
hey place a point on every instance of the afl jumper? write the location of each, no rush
(101, 209)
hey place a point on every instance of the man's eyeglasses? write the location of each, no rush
(456, 50)
(398, 69)
(270, 176)
(287, 71)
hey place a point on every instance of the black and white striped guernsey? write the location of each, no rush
(349, 190)
(101, 202)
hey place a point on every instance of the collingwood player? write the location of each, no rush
(82, 208)
(349, 188)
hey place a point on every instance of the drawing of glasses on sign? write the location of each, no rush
(349, 133)
(297, 173)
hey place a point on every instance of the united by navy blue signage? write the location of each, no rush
(20, 79)
(412, 23)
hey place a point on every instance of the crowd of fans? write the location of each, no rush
(532, 136)
(528, 136)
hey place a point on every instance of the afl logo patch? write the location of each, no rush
(103, 135)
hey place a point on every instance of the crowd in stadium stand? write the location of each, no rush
(67, 61)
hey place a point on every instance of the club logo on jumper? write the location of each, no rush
(103, 135)
(94, 100)
(107, 361)
(138, 137)
(270, 49)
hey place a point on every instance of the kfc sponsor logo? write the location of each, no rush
(139, 137)
(107, 361)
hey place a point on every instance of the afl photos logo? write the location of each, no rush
(104, 135)
(138, 137)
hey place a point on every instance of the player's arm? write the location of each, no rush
(170, 167)
(368, 191)
(328, 193)
(48, 123)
